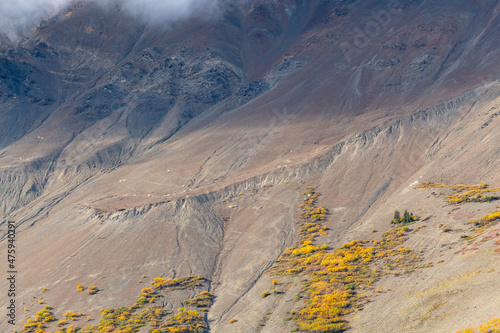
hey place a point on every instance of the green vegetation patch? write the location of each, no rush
(178, 284)
(333, 278)
(465, 193)
(482, 224)
(203, 300)
(37, 324)
(405, 219)
(141, 314)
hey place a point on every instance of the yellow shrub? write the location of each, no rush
(146, 291)
(93, 289)
(305, 250)
(174, 330)
(491, 217)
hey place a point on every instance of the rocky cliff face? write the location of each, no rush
(132, 150)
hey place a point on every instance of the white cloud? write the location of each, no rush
(163, 9)
(16, 15)
(19, 15)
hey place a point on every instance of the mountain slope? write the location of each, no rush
(131, 151)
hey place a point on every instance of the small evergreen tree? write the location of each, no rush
(397, 217)
(407, 217)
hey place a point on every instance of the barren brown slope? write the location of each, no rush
(126, 171)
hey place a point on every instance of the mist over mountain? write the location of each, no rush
(17, 17)
(251, 166)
